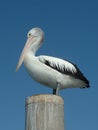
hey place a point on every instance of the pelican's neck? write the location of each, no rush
(35, 46)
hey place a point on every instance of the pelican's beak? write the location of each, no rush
(29, 41)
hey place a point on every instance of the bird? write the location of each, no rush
(50, 71)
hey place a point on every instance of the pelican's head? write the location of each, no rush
(34, 36)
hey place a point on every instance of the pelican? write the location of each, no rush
(50, 71)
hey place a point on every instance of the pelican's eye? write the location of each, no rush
(29, 34)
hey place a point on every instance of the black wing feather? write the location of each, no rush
(66, 71)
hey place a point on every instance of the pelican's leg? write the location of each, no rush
(56, 91)
(58, 88)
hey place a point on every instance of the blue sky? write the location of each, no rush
(71, 32)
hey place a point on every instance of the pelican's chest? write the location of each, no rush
(35, 68)
(39, 71)
(31, 64)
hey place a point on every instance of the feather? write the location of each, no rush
(64, 67)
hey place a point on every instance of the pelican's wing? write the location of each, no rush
(63, 66)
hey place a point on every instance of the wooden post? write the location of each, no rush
(44, 112)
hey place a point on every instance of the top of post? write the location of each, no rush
(45, 98)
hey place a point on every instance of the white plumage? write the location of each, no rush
(50, 71)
